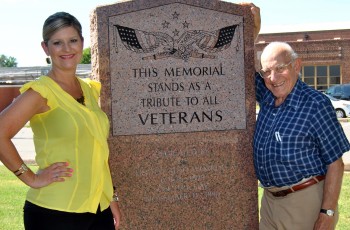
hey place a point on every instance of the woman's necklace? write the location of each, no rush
(81, 99)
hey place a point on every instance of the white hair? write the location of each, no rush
(282, 45)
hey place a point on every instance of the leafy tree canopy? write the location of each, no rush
(86, 56)
(7, 61)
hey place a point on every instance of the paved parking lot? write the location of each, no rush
(24, 143)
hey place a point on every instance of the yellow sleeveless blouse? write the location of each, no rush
(74, 133)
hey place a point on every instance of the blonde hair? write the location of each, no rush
(57, 21)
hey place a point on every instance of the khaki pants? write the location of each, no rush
(296, 211)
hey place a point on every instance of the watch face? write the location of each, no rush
(330, 212)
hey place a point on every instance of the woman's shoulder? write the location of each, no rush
(43, 86)
(94, 85)
(39, 85)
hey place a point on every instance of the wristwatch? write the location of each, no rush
(328, 212)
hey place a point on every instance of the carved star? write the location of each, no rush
(165, 24)
(176, 15)
(176, 32)
(185, 24)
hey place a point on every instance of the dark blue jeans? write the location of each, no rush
(39, 218)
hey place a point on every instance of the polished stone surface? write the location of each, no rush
(177, 87)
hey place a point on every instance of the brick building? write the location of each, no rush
(325, 54)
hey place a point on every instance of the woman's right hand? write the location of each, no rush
(57, 172)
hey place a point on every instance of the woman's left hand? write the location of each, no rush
(116, 214)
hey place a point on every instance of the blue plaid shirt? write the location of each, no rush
(297, 139)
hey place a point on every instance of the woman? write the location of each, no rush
(73, 187)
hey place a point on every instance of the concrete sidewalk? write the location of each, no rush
(24, 143)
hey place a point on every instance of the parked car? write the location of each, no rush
(342, 107)
(339, 91)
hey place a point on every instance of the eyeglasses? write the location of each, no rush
(278, 69)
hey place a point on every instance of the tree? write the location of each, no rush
(86, 56)
(7, 61)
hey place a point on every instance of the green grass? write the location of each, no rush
(12, 196)
(13, 192)
(344, 204)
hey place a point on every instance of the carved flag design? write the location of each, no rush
(192, 43)
(225, 36)
(142, 41)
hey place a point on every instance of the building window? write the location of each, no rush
(321, 77)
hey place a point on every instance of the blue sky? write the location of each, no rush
(21, 21)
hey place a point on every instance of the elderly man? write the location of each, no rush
(298, 145)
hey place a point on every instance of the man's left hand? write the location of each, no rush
(324, 222)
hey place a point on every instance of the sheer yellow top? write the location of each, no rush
(74, 133)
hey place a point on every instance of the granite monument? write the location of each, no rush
(178, 88)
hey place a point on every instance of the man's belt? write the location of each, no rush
(312, 181)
